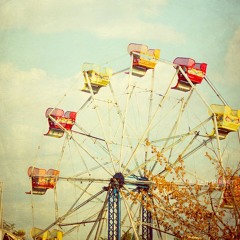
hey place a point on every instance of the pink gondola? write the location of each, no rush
(59, 121)
(194, 71)
(42, 180)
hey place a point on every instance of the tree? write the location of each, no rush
(192, 210)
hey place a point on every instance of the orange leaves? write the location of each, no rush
(208, 156)
(197, 188)
(186, 208)
(231, 191)
(168, 168)
(147, 142)
(178, 169)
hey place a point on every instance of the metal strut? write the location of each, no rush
(113, 214)
(147, 232)
(114, 207)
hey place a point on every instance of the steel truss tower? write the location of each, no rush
(114, 205)
(114, 209)
(147, 233)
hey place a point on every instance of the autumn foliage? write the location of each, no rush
(189, 209)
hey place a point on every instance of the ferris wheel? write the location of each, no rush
(105, 144)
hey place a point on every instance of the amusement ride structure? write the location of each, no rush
(119, 116)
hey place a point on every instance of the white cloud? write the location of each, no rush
(24, 97)
(106, 19)
(139, 30)
(26, 89)
(17, 90)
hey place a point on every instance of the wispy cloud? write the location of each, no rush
(23, 101)
(139, 30)
(105, 19)
(25, 95)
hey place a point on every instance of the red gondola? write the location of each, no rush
(42, 179)
(59, 121)
(194, 71)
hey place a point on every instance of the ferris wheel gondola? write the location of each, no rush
(42, 180)
(195, 72)
(59, 121)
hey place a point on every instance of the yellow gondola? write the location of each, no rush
(228, 120)
(96, 76)
(47, 235)
(143, 58)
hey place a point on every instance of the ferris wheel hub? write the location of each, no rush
(118, 180)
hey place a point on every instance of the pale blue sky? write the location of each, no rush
(44, 43)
